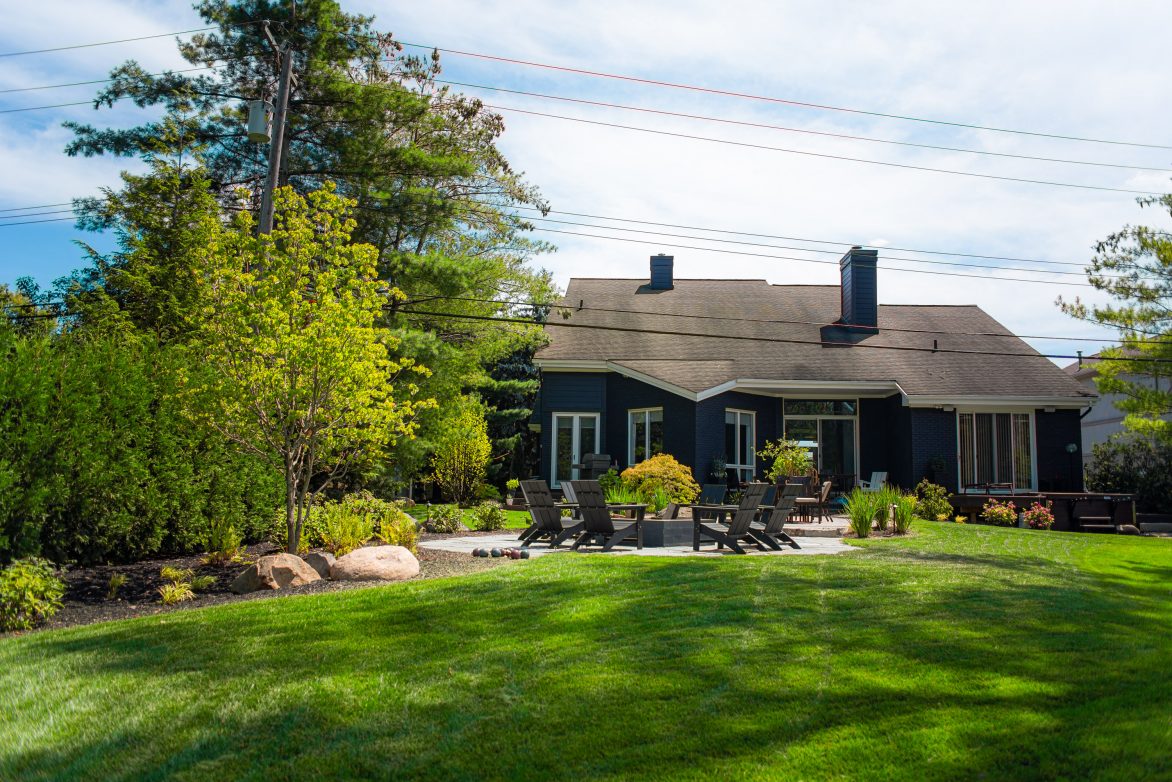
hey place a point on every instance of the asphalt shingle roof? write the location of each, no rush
(698, 352)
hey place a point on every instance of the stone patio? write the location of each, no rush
(818, 544)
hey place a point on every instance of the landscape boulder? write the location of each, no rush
(276, 571)
(376, 563)
(321, 561)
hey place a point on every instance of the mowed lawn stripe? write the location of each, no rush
(959, 652)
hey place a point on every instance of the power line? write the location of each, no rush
(786, 101)
(783, 340)
(823, 155)
(569, 305)
(725, 121)
(810, 260)
(32, 222)
(124, 40)
(795, 238)
(103, 81)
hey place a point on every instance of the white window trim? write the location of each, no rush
(1012, 411)
(752, 465)
(646, 431)
(575, 443)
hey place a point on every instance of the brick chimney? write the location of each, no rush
(661, 272)
(860, 296)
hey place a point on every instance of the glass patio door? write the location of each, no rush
(574, 434)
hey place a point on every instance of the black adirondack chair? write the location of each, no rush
(710, 494)
(597, 523)
(771, 529)
(547, 518)
(738, 529)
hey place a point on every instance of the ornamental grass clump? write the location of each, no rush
(861, 508)
(30, 593)
(999, 514)
(903, 512)
(885, 498)
(1039, 516)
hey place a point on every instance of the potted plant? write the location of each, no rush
(788, 459)
(716, 473)
(512, 484)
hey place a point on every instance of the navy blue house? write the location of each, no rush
(708, 370)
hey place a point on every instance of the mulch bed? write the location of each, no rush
(86, 588)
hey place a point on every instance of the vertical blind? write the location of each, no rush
(996, 448)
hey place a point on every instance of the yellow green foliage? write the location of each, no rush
(663, 472)
(462, 456)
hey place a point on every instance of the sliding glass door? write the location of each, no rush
(828, 429)
(996, 448)
(574, 434)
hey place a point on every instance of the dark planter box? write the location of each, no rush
(658, 533)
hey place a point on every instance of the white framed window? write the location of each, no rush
(574, 434)
(828, 428)
(996, 447)
(644, 434)
(740, 438)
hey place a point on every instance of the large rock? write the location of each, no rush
(321, 561)
(376, 563)
(276, 571)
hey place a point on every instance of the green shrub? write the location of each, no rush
(663, 472)
(999, 514)
(609, 481)
(106, 457)
(1129, 463)
(932, 501)
(30, 593)
(905, 510)
(512, 484)
(785, 458)
(202, 583)
(462, 455)
(487, 517)
(658, 500)
(444, 519)
(397, 528)
(224, 543)
(861, 508)
(172, 593)
(343, 526)
(117, 581)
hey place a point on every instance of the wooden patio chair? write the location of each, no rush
(771, 529)
(738, 530)
(878, 478)
(711, 494)
(597, 523)
(547, 517)
(808, 505)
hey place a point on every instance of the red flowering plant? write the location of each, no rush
(999, 514)
(1039, 516)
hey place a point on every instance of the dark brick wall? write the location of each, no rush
(710, 426)
(1057, 469)
(679, 430)
(933, 434)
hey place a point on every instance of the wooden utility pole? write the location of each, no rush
(275, 146)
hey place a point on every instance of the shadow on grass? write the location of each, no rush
(901, 663)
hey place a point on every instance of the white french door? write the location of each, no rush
(574, 434)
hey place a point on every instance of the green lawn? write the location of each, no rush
(514, 519)
(963, 652)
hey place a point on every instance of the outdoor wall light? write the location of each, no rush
(1071, 447)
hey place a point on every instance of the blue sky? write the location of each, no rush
(1073, 68)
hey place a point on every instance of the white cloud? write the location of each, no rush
(1074, 68)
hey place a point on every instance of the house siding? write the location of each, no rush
(1057, 469)
(569, 392)
(710, 426)
(679, 431)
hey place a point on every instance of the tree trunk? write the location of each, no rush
(291, 525)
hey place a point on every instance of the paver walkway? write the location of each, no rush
(809, 545)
